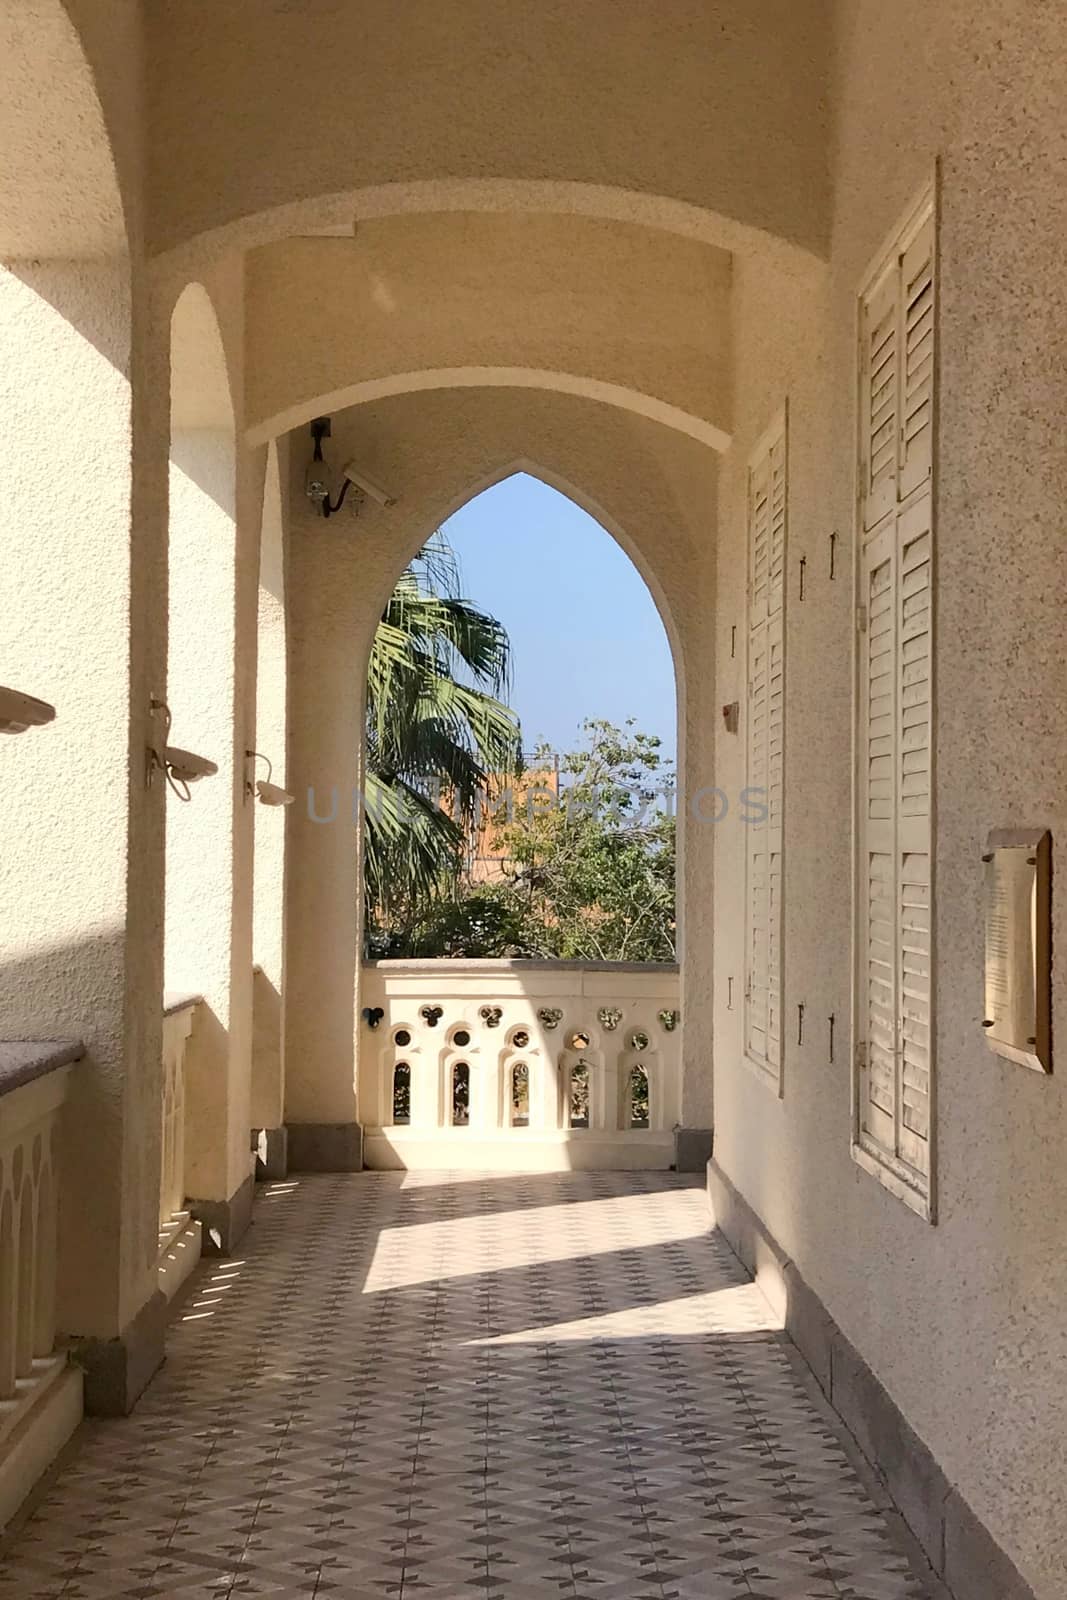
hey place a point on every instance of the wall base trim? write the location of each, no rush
(692, 1148)
(224, 1222)
(118, 1370)
(271, 1147)
(325, 1147)
(957, 1545)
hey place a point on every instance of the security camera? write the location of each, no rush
(186, 767)
(271, 795)
(367, 485)
(21, 711)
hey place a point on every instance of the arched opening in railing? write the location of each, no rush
(638, 1097)
(461, 1095)
(578, 1090)
(520, 1095)
(401, 1094)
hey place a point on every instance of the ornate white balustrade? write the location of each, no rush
(179, 1235)
(40, 1396)
(519, 1064)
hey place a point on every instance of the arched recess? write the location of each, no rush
(201, 700)
(415, 541)
(518, 377)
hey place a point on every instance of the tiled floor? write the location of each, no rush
(491, 1387)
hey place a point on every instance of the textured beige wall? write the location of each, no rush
(213, 563)
(564, 299)
(710, 104)
(650, 486)
(267, 1110)
(963, 1322)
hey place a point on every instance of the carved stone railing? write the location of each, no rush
(519, 1064)
(179, 1236)
(40, 1397)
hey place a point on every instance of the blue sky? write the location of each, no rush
(586, 637)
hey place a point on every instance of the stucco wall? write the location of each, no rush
(963, 1322)
(652, 487)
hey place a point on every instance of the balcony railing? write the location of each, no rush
(40, 1396)
(525, 1064)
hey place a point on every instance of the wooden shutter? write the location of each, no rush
(895, 738)
(765, 750)
(756, 915)
(879, 394)
(917, 388)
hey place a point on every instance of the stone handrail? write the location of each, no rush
(33, 1088)
(464, 1061)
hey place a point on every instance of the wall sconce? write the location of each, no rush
(268, 794)
(180, 767)
(316, 480)
(21, 711)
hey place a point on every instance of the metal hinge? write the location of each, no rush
(861, 619)
(861, 1055)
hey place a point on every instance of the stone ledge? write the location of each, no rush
(23, 1060)
(118, 1370)
(958, 1546)
(224, 1223)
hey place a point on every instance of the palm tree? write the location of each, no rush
(436, 731)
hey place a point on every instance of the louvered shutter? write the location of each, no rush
(757, 932)
(895, 733)
(765, 750)
(914, 815)
(879, 394)
(917, 387)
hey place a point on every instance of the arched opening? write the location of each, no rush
(520, 1095)
(401, 1094)
(521, 706)
(638, 1097)
(460, 1094)
(578, 1095)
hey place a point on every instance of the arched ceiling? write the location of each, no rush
(300, 107)
(620, 313)
(59, 196)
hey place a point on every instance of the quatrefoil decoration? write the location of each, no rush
(432, 1015)
(372, 1015)
(669, 1020)
(491, 1016)
(609, 1017)
(551, 1016)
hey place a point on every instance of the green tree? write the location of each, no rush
(589, 865)
(592, 869)
(436, 729)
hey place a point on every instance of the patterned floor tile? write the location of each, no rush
(467, 1387)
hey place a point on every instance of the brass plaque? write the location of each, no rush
(1018, 947)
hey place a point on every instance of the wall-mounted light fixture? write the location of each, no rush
(180, 767)
(20, 711)
(267, 793)
(316, 478)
